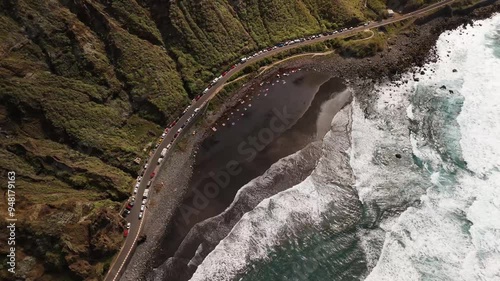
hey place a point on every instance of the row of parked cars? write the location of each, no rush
(279, 45)
(295, 41)
(160, 159)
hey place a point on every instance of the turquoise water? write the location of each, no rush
(319, 253)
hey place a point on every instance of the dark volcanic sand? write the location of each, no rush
(303, 95)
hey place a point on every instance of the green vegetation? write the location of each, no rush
(86, 85)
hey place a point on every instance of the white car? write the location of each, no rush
(169, 145)
(145, 166)
(196, 109)
(137, 184)
(163, 135)
(128, 225)
(142, 208)
(140, 215)
(139, 178)
(180, 130)
(135, 190)
(144, 201)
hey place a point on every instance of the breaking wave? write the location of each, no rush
(454, 233)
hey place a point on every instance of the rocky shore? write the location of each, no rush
(410, 49)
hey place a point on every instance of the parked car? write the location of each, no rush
(152, 174)
(142, 208)
(145, 166)
(125, 232)
(140, 215)
(135, 190)
(144, 201)
(149, 183)
(128, 225)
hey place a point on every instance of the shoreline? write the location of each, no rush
(407, 50)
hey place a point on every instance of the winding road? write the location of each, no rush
(121, 260)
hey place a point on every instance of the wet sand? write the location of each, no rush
(303, 95)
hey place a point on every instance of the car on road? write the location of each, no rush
(140, 215)
(135, 190)
(144, 201)
(143, 207)
(159, 160)
(169, 146)
(145, 166)
(128, 225)
(176, 135)
(163, 135)
(152, 174)
(149, 184)
(125, 232)
(139, 178)
(180, 130)
(125, 212)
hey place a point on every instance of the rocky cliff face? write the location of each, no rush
(86, 85)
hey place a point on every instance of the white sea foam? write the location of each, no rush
(455, 233)
(258, 231)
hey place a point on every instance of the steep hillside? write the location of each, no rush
(86, 85)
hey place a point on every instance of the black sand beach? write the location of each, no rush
(297, 94)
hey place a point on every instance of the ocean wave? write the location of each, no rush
(454, 233)
(282, 175)
(283, 214)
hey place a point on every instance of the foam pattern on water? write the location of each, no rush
(454, 234)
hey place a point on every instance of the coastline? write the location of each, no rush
(407, 50)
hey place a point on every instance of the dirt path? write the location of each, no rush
(264, 68)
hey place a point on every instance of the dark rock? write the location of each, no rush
(454, 70)
(398, 155)
(442, 87)
(451, 92)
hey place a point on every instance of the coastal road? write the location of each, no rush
(121, 260)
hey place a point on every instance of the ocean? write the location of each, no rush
(406, 184)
